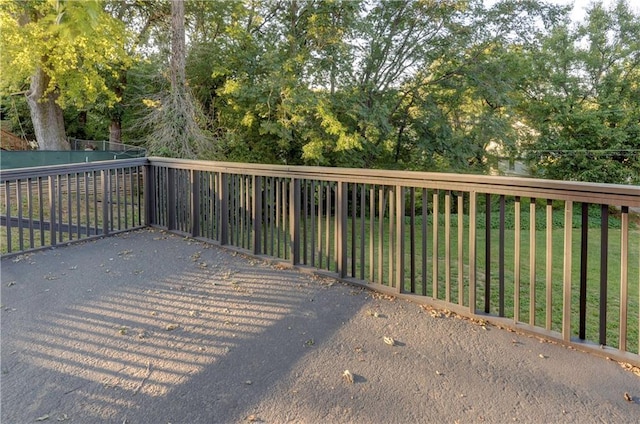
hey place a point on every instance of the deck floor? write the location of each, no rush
(149, 327)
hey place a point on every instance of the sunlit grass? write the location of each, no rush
(381, 268)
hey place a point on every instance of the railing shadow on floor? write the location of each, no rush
(200, 318)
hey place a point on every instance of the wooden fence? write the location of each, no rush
(558, 259)
(51, 205)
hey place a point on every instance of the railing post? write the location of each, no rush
(460, 248)
(195, 203)
(624, 276)
(487, 254)
(549, 260)
(52, 210)
(294, 220)
(105, 175)
(435, 237)
(223, 199)
(341, 234)
(604, 264)
(392, 239)
(584, 259)
(501, 249)
(256, 214)
(566, 278)
(516, 260)
(7, 196)
(150, 199)
(532, 261)
(472, 252)
(400, 204)
(171, 199)
(447, 246)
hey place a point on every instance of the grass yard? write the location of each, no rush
(378, 265)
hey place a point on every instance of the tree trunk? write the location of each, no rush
(115, 134)
(46, 114)
(115, 113)
(178, 49)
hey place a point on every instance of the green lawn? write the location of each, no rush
(377, 263)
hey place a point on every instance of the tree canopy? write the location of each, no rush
(403, 84)
(66, 51)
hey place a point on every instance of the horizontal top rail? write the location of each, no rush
(45, 171)
(612, 194)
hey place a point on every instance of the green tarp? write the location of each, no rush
(27, 159)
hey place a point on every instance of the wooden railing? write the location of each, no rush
(47, 206)
(558, 259)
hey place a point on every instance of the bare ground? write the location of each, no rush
(148, 327)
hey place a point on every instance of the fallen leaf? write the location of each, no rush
(347, 376)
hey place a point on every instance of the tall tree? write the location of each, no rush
(63, 49)
(141, 19)
(583, 99)
(176, 119)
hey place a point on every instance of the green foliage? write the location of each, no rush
(15, 116)
(584, 100)
(75, 43)
(405, 84)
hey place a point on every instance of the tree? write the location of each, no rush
(175, 119)
(583, 99)
(62, 51)
(377, 84)
(141, 19)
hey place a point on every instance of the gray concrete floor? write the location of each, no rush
(148, 327)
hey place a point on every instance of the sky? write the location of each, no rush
(579, 6)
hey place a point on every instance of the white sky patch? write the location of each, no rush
(580, 6)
